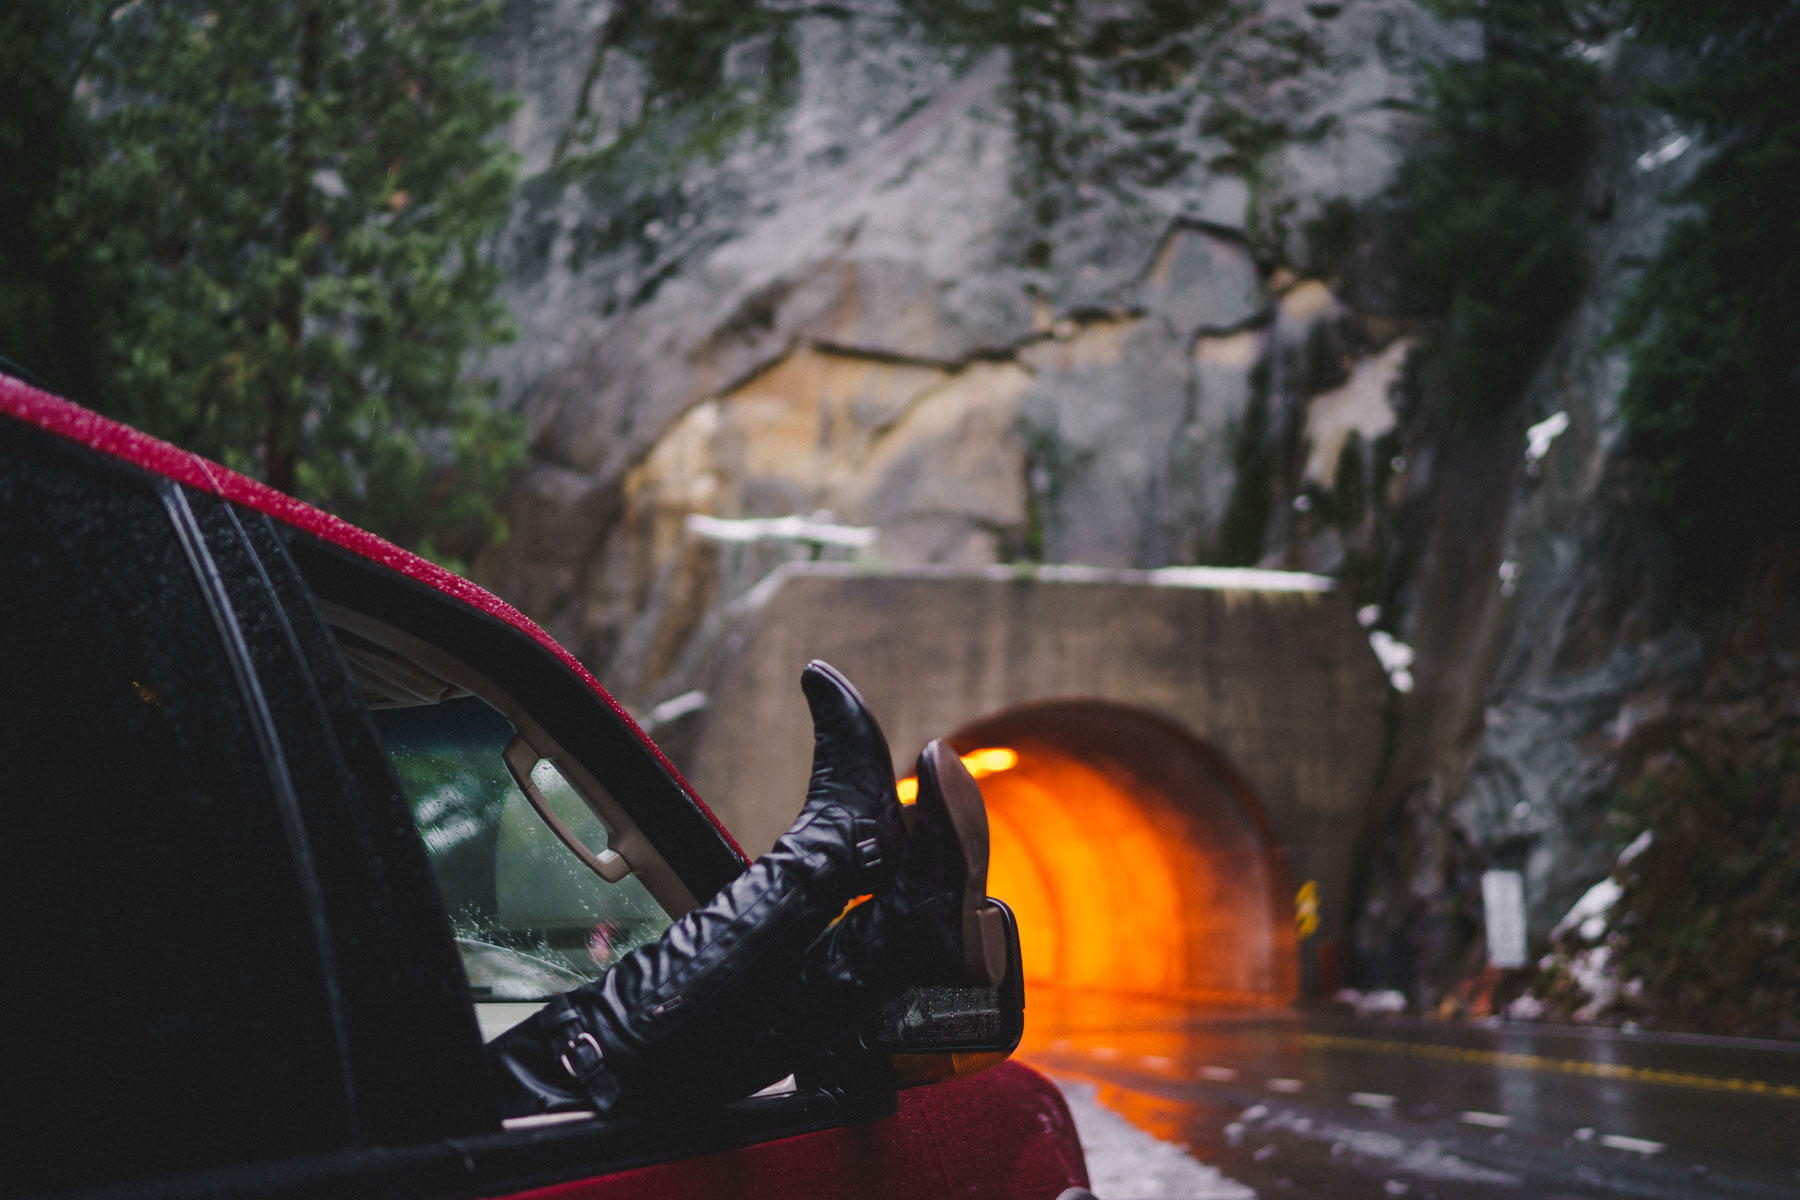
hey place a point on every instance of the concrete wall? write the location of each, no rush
(1282, 684)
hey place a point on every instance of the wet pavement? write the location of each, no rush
(1313, 1105)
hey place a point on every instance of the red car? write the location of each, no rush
(295, 819)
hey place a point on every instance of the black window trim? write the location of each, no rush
(573, 716)
(206, 572)
(418, 993)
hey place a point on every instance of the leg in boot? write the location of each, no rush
(932, 925)
(685, 1020)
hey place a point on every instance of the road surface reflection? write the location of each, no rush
(1304, 1104)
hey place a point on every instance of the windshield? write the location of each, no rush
(529, 918)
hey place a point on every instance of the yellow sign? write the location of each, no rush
(1306, 909)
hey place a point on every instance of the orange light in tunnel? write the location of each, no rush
(1093, 877)
(1117, 889)
(990, 760)
(1131, 864)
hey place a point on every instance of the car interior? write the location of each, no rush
(546, 877)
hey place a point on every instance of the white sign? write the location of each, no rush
(1503, 900)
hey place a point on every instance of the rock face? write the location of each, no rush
(1541, 608)
(1075, 284)
(872, 259)
(931, 458)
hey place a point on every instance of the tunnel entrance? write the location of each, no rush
(1137, 860)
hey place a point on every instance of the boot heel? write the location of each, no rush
(984, 944)
(947, 785)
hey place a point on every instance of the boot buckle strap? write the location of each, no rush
(868, 845)
(578, 1050)
(583, 1046)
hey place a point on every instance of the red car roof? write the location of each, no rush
(25, 403)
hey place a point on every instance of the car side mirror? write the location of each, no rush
(932, 1032)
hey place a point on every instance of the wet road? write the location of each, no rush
(1310, 1105)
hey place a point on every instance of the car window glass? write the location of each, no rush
(168, 996)
(530, 919)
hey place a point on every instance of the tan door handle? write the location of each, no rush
(520, 757)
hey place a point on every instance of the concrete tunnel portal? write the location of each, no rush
(1135, 858)
(1193, 754)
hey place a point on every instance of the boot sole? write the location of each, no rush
(945, 782)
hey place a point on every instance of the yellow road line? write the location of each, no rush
(1537, 1062)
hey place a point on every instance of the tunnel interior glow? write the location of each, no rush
(1136, 859)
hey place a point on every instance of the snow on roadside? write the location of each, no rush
(1370, 1004)
(1424, 1158)
(1125, 1163)
(1580, 966)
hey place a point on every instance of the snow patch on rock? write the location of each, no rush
(1588, 916)
(1396, 659)
(1539, 436)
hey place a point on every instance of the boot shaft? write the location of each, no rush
(700, 1015)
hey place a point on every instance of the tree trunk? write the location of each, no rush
(281, 403)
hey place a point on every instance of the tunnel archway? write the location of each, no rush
(1138, 861)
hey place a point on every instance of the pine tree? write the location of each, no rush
(1713, 400)
(43, 307)
(1491, 201)
(289, 211)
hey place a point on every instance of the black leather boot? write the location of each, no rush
(692, 1018)
(932, 925)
